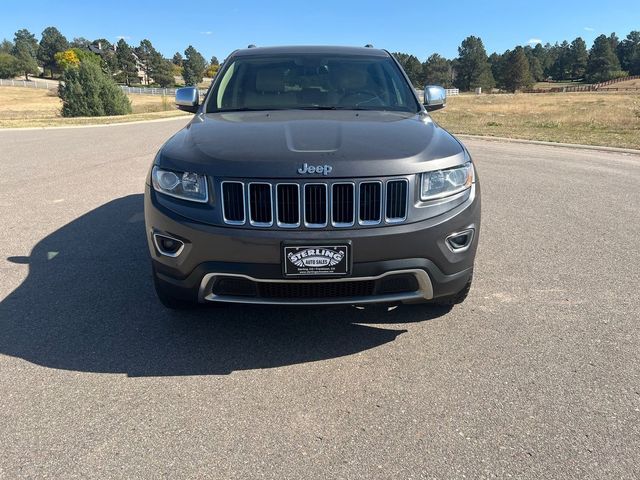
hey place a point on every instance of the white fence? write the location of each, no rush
(155, 91)
(44, 84)
(49, 85)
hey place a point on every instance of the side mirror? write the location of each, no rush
(188, 99)
(435, 97)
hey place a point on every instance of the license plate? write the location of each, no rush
(310, 260)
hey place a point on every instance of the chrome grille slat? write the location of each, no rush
(370, 211)
(314, 205)
(260, 204)
(396, 201)
(233, 210)
(288, 205)
(343, 204)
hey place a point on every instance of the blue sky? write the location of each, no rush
(420, 28)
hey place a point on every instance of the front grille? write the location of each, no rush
(313, 205)
(316, 290)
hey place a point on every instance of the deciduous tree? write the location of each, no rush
(67, 59)
(9, 67)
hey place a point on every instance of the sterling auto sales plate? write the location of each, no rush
(316, 260)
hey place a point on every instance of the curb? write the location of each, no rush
(100, 125)
(550, 144)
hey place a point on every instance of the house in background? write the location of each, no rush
(111, 50)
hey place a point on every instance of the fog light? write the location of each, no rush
(168, 246)
(460, 241)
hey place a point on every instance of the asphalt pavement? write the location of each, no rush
(537, 375)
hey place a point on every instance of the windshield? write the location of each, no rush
(312, 81)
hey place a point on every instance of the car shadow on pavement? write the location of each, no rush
(88, 305)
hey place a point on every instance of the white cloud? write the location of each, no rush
(534, 41)
(206, 33)
(589, 29)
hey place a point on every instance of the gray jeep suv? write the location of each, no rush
(312, 175)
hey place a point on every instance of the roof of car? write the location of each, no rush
(319, 49)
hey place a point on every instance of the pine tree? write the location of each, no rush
(629, 53)
(126, 63)
(193, 67)
(578, 58)
(412, 66)
(146, 53)
(437, 71)
(603, 64)
(52, 42)
(472, 66)
(25, 48)
(516, 73)
(177, 59)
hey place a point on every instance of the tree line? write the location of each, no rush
(126, 64)
(608, 58)
(516, 69)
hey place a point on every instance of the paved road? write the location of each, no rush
(537, 375)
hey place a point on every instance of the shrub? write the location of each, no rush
(86, 91)
(9, 66)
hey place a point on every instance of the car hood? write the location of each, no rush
(276, 144)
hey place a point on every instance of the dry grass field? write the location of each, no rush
(609, 119)
(27, 107)
(635, 83)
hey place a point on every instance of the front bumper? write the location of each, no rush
(255, 256)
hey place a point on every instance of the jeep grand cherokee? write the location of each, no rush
(312, 175)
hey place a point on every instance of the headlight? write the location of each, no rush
(184, 185)
(442, 183)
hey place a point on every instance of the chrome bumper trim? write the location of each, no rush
(424, 292)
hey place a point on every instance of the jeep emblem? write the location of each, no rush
(319, 169)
